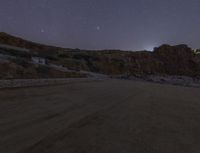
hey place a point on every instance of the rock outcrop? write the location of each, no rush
(176, 60)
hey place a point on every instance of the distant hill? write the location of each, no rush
(22, 43)
(164, 60)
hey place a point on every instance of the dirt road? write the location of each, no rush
(110, 116)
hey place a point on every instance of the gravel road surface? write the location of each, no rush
(108, 116)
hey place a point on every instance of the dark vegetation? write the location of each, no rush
(22, 69)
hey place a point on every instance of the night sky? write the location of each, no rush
(103, 24)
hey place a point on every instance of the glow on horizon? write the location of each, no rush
(149, 48)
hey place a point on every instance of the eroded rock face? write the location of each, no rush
(175, 59)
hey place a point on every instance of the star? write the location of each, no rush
(98, 28)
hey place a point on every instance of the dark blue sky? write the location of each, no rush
(100, 24)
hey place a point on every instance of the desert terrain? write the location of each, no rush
(104, 116)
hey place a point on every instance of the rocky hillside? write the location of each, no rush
(22, 43)
(164, 60)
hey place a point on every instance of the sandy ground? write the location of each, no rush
(15, 83)
(110, 116)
